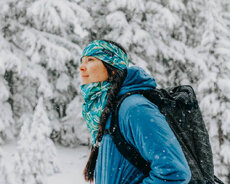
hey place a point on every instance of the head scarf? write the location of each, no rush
(108, 53)
(95, 99)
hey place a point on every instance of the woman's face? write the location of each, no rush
(92, 70)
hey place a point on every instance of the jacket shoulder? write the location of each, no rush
(134, 99)
(135, 102)
(136, 110)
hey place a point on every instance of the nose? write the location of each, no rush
(82, 66)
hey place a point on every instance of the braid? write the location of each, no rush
(116, 80)
(116, 77)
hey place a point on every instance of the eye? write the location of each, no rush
(90, 59)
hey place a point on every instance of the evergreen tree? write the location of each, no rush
(215, 86)
(40, 52)
(36, 156)
(71, 129)
(7, 123)
(5, 176)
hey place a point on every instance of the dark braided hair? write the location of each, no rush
(116, 77)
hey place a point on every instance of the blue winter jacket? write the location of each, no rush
(143, 126)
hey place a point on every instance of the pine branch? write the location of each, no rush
(49, 36)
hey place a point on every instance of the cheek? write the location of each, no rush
(99, 72)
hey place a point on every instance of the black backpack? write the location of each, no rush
(180, 107)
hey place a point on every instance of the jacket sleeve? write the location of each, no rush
(146, 129)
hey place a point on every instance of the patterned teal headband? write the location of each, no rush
(108, 53)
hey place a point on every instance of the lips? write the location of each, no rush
(84, 76)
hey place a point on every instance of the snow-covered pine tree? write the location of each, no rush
(41, 41)
(173, 28)
(71, 128)
(7, 123)
(215, 86)
(36, 155)
(5, 176)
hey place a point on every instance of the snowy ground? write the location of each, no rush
(71, 160)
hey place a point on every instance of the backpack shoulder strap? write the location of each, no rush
(126, 149)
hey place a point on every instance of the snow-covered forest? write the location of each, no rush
(177, 41)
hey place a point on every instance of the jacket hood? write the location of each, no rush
(137, 79)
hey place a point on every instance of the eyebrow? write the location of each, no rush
(87, 57)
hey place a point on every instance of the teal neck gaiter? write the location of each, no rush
(95, 99)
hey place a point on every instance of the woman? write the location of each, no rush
(106, 76)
